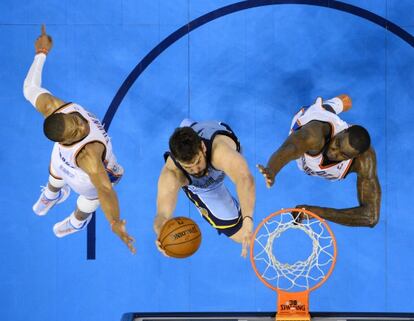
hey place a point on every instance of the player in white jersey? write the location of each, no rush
(326, 146)
(82, 157)
(201, 155)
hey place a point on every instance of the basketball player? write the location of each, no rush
(82, 157)
(201, 155)
(326, 146)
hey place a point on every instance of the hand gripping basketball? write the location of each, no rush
(180, 237)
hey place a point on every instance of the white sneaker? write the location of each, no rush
(65, 227)
(44, 204)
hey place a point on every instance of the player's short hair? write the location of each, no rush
(54, 127)
(184, 144)
(359, 138)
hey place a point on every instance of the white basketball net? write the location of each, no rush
(300, 275)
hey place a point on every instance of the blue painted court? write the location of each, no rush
(251, 65)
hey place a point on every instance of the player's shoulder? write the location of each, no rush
(222, 143)
(313, 134)
(92, 150)
(171, 166)
(316, 127)
(366, 163)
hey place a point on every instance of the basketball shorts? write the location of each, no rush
(79, 181)
(219, 208)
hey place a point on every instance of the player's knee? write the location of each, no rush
(55, 182)
(86, 205)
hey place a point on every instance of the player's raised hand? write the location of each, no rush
(247, 235)
(118, 227)
(268, 174)
(299, 217)
(158, 244)
(44, 42)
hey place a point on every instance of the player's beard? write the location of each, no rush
(200, 174)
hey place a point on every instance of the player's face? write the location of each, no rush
(198, 165)
(76, 128)
(339, 148)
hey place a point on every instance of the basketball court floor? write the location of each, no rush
(148, 64)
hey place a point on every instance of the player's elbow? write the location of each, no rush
(32, 93)
(103, 186)
(28, 91)
(246, 182)
(373, 217)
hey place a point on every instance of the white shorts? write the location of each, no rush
(77, 179)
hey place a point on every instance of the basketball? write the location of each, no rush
(180, 237)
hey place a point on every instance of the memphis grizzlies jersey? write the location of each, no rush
(64, 157)
(207, 130)
(317, 165)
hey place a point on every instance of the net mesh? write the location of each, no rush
(302, 274)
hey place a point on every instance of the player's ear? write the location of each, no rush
(203, 147)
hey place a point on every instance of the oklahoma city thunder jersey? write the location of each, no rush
(314, 165)
(64, 157)
(207, 130)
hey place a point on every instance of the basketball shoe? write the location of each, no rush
(70, 225)
(44, 204)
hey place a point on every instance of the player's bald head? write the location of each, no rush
(54, 127)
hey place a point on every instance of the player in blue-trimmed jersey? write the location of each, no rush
(326, 146)
(82, 157)
(201, 155)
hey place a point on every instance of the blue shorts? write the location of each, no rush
(219, 208)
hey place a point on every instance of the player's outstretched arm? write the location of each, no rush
(90, 160)
(40, 98)
(369, 196)
(309, 137)
(169, 183)
(226, 158)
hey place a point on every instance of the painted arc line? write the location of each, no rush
(213, 15)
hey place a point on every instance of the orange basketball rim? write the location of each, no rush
(293, 282)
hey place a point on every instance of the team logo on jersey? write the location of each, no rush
(99, 125)
(206, 182)
(66, 162)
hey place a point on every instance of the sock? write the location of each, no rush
(75, 222)
(51, 195)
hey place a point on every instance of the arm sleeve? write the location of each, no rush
(32, 84)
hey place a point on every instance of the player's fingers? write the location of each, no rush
(159, 247)
(132, 249)
(269, 182)
(260, 168)
(244, 246)
(43, 29)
